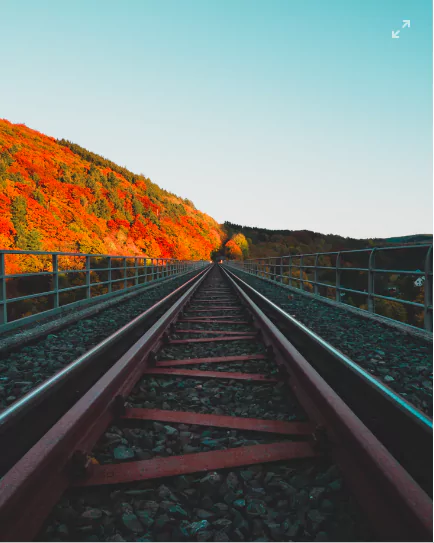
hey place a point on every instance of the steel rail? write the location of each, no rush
(397, 507)
(34, 484)
(26, 420)
(387, 414)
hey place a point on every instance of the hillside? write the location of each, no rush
(262, 242)
(57, 196)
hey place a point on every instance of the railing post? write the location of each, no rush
(281, 270)
(290, 272)
(136, 269)
(371, 282)
(145, 270)
(55, 280)
(301, 273)
(87, 276)
(109, 274)
(338, 278)
(125, 272)
(3, 301)
(315, 271)
(427, 316)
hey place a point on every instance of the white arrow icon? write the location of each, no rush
(395, 34)
(406, 23)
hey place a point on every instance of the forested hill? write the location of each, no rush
(57, 196)
(262, 242)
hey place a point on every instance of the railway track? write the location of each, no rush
(211, 427)
(387, 414)
(27, 419)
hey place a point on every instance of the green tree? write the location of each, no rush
(19, 212)
(138, 207)
(38, 196)
(101, 209)
(31, 241)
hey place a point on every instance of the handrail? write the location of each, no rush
(144, 270)
(279, 269)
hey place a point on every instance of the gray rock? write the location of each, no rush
(222, 524)
(204, 536)
(240, 522)
(196, 527)
(145, 518)
(221, 536)
(232, 480)
(256, 509)
(92, 514)
(177, 511)
(247, 475)
(158, 427)
(123, 453)
(144, 455)
(131, 522)
(181, 483)
(220, 508)
(170, 430)
(316, 517)
(230, 497)
(162, 521)
(203, 514)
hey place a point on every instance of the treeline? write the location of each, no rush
(244, 242)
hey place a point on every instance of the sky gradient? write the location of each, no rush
(292, 114)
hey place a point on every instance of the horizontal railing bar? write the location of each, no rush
(83, 270)
(28, 297)
(18, 275)
(377, 249)
(94, 255)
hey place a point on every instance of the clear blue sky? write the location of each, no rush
(298, 114)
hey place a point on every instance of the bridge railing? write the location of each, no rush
(37, 284)
(308, 269)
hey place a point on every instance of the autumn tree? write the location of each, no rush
(242, 243)
(233, 251)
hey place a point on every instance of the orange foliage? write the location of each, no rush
(64, 202)
(233, 251)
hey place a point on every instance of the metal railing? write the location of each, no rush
(280, 270)
(93, 275)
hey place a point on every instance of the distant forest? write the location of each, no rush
(244, 242)
(263, 242)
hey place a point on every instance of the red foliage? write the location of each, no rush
(63, 204)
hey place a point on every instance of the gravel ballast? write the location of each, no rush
(271, 502)
(402, 360)
(26, 367)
